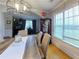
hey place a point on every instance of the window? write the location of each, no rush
(28, 24)
(58, 25)
(71, 24)
(66, 24)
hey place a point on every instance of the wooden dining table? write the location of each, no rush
(25, 49)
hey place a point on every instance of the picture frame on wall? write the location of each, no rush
(8, 22)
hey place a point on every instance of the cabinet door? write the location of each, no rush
(45, 25)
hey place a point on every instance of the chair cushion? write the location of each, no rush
(1, 39)
(23, 33)
(41, 53)
(39, 37)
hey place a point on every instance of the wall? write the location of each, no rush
(8, 27)
(67, 4)
(2, 25)
(5, 30)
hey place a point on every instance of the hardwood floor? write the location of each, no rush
(52, 53)
(5, 44)
(55, 53)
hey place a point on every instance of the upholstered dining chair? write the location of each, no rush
(23, 33)
(44, 45)
(1, 38)
(39, 37)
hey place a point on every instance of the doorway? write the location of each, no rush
(31, 26)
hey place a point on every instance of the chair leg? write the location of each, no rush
(44, 58)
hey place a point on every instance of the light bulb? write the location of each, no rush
(17, 6)
(24, 8)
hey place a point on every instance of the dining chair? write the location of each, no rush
(39, 37)
(23, 33)
(45, 43)
(1, 38)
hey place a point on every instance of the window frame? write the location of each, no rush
(64, 18)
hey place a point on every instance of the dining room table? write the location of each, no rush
(25, 48)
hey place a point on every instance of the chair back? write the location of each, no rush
(45, 42)
(1, 38)
(39, 36)
(23, 33)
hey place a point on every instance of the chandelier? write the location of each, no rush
(18, 5)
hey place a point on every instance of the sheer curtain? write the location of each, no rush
(28, 24)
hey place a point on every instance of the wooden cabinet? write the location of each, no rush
(45, 25)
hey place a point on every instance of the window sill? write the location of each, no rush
(72, 42)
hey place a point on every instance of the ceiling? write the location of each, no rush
(37, 5)
(43, 4)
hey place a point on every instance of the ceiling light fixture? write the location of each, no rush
(51, 0)
(17, 6)
(24, 8)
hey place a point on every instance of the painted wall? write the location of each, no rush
(8, 24)
(5, 29)
(2, 25)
